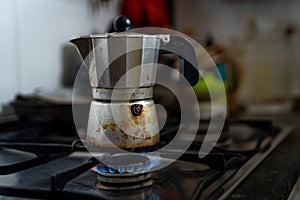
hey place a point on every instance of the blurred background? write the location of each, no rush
(254, 44)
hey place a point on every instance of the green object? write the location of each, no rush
(215, 84)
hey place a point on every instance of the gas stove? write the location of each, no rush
(43, 160)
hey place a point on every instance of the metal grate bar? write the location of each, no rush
(58, 181)
(13, 168)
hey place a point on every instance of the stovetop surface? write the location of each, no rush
(180, 178)
(61, 170)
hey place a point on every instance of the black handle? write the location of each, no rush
(121, 23)
(188, 60)
(177, 45)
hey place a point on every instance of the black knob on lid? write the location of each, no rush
(121, 23)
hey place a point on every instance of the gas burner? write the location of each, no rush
(123, 172)
(123, 182)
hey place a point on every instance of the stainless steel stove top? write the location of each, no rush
(39, 160)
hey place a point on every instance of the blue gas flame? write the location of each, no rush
(101, 168)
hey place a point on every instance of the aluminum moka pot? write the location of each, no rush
(122, 71)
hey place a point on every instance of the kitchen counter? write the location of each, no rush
(276, 176)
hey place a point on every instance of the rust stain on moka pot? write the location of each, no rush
(137, 125)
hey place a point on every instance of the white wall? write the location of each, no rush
(32, 35)
(226, 19)
(9, 82)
